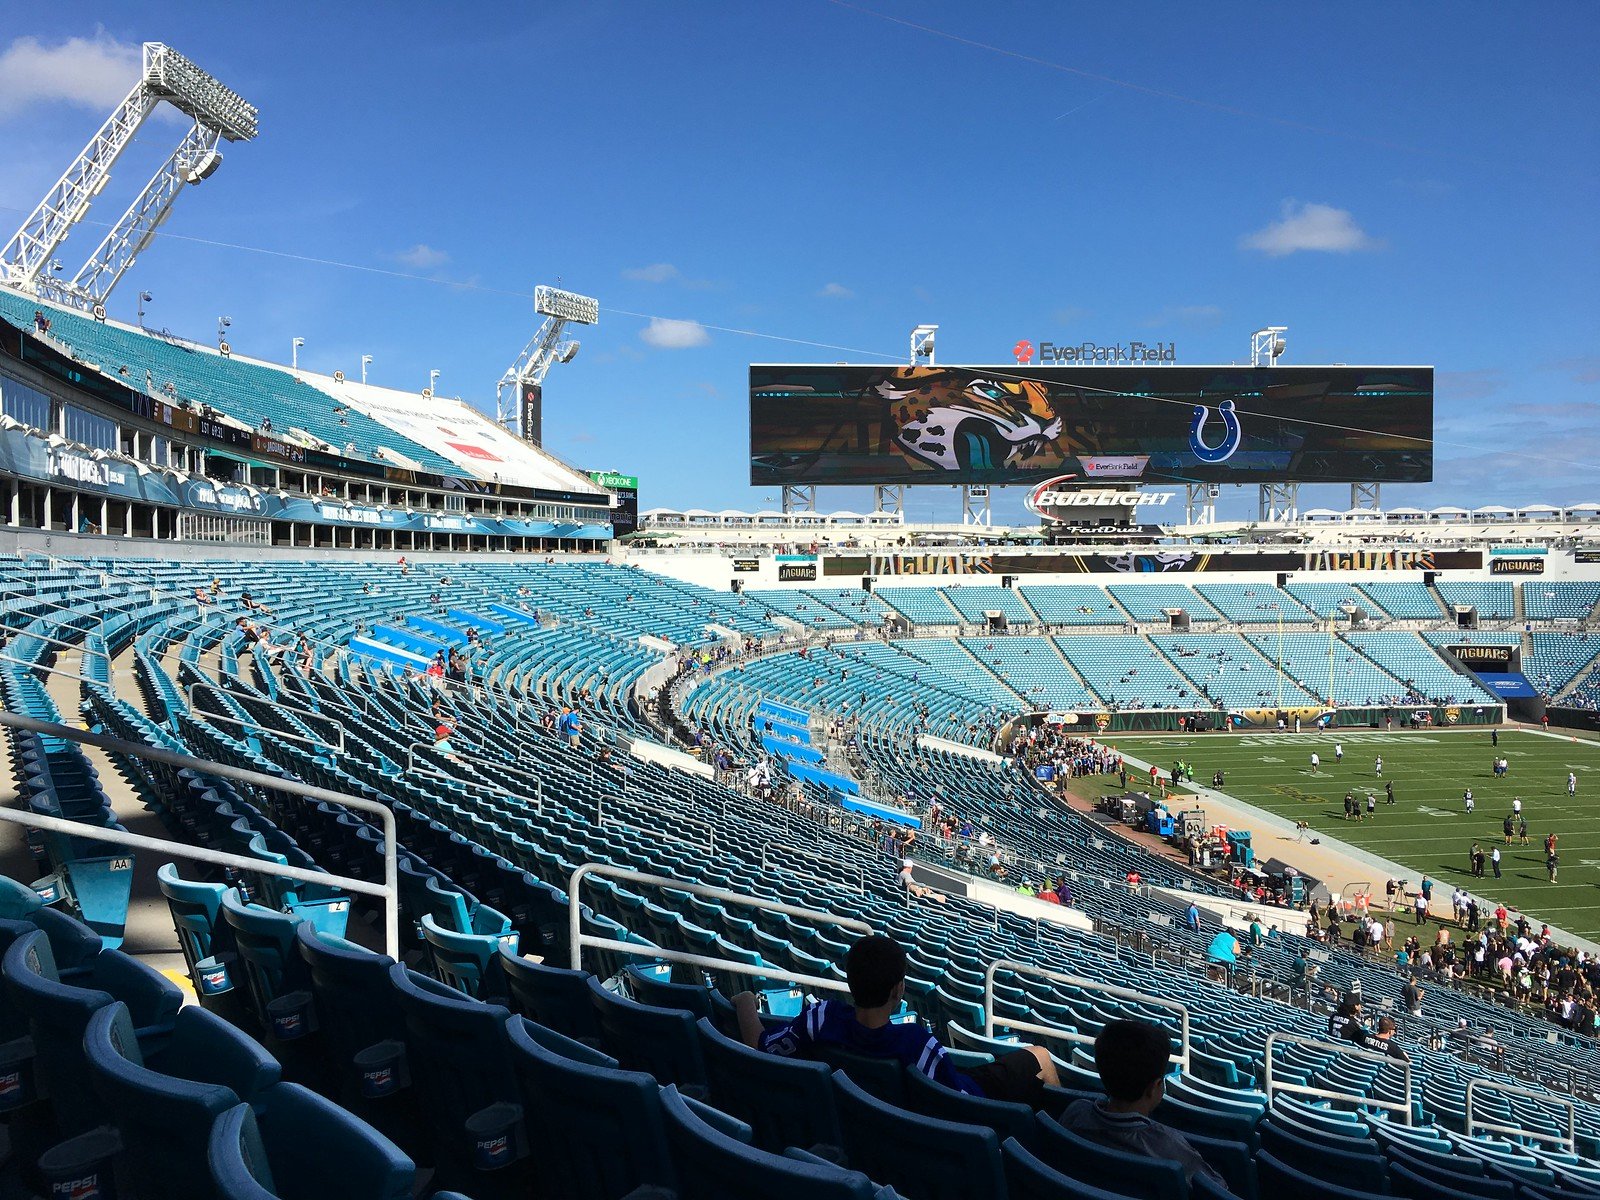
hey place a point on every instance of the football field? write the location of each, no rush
(1427, 829)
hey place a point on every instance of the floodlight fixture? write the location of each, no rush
(200, 95)
(567, 351)
(366, 361)
(144, 298)
(922, 343)
(567, 306)
(433, 383)
(294, 352)
(1267, 344)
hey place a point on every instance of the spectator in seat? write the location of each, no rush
(1132, 1058)
(875, 969)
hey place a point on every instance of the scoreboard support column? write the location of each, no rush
(1279, 502)
(1366, 497)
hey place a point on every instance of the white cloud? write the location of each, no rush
(92, 73)
(1310, 227)
(654, 273)
(423, 257)
(835, 291)
(666, 334)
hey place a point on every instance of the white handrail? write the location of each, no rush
(390, 889)
(207, 685)
(1269, 1084)
(577, 939)
(1088, 985)
(1494, 1085)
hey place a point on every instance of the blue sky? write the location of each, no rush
(1390, 186)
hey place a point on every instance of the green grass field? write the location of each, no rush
(1427, 829)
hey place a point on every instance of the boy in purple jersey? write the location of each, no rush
(876, 971)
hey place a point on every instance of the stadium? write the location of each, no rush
(395, 809)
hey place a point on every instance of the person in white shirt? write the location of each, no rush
(1315, 762)
(1572, 783)
(1338, 752)
(1516, 806)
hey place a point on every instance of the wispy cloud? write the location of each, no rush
(1470, 385)
(1190, 316)
(91, 73)
(654, 273)
(422, 257)
(1319, 227)
(666, 334)
(1070, 315)
(835, 291)
(1583, 369)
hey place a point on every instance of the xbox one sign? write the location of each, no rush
(1054, 499)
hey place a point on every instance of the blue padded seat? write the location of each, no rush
(1027, 1178)
(786, 1102)
(203, 935)
(596, 1131)
(1278, 1178)
(469, 962)
(933, 1099)
(920, 1157)
(1106, 1167)
(362, 1034)
(469, 1095)
(1326, 1156)
(265, 941)
(712, 1165)
(661, 1042)
(301, 1147)
(58, 1013)
(1404, 1181)
(555, 997)
(163, 1103)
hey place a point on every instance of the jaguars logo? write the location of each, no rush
(1102, 721)
(985, 425)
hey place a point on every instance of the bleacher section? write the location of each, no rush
(1330, 599)
(1494, 599)
(1148, 602)
(972, 601)
(1570, 600)
(1032, 666)
(1073, 604)
(247, 391)
(920, 605)
(1254, 603)
(315, 1066)
(1555, 659)
(1328, 668)
(803, 608)
(1230, 671)
(1412, 661)
(1404, 601)
(862, 607)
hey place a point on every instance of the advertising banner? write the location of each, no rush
(1021, 424)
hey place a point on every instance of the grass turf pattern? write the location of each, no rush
(1427, 829)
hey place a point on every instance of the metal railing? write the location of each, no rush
(1269, 1084)
(217, 689)
(1494, 1085)
(1088, 985)
(389, 890)
(859, 870)
(577, 939)
(207, 718)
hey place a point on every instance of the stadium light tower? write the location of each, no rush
(433, 383)
(217, 111)
(524, 415)
(922, 345)
(1267, 345)
(294, 353)
(366, 361)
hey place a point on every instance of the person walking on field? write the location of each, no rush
(1466, 797)
(1572, 783)
(1388, 792)
(1494, 861)
(1338, 752)
(1316, 762)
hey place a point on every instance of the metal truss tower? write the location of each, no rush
(27, 261)
(522, 414)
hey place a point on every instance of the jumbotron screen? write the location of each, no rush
(1012, 424)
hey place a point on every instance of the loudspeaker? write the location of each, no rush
(1428, 577)
(866, 583)
(737, 585)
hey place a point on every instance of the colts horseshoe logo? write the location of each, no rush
(1230, 439)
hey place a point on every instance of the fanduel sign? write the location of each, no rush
(1090, 352)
